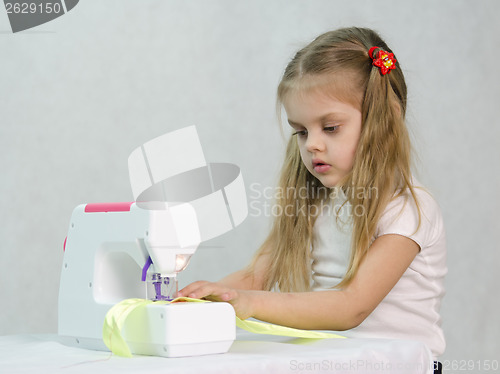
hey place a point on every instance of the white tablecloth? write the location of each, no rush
(250, 353)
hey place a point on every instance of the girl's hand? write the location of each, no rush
(240, 300)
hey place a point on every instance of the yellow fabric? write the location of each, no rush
(113, 324)
(271, 329)
(117, 315)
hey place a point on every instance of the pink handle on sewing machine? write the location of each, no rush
(108, 207)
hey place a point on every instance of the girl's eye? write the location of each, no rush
(331, 129)
(328, 129)
(300, 133)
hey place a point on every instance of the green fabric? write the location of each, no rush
(117, 315)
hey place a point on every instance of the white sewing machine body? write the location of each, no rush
(135, 250)
(105, 261)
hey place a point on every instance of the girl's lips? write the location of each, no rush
(321, 168)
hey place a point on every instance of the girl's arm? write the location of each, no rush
(387, 259)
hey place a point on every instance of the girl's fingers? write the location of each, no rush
(189, 288)
(217, 292)
(209, 290)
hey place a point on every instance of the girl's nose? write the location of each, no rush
(314, 142)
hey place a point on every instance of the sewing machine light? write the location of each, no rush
(181, 262)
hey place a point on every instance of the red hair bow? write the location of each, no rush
(384, 60)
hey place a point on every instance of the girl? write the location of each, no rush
(364, 249)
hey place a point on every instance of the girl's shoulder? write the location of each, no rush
(415, 215)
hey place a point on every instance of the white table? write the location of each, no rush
(250, 353)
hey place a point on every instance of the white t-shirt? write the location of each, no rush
(411, 309)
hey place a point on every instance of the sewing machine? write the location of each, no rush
(135, 250)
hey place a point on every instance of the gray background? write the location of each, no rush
(78, 94)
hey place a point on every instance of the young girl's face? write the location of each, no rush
(328, 132)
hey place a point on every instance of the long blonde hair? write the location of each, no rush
(382, 160)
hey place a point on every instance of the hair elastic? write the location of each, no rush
(384, 60)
